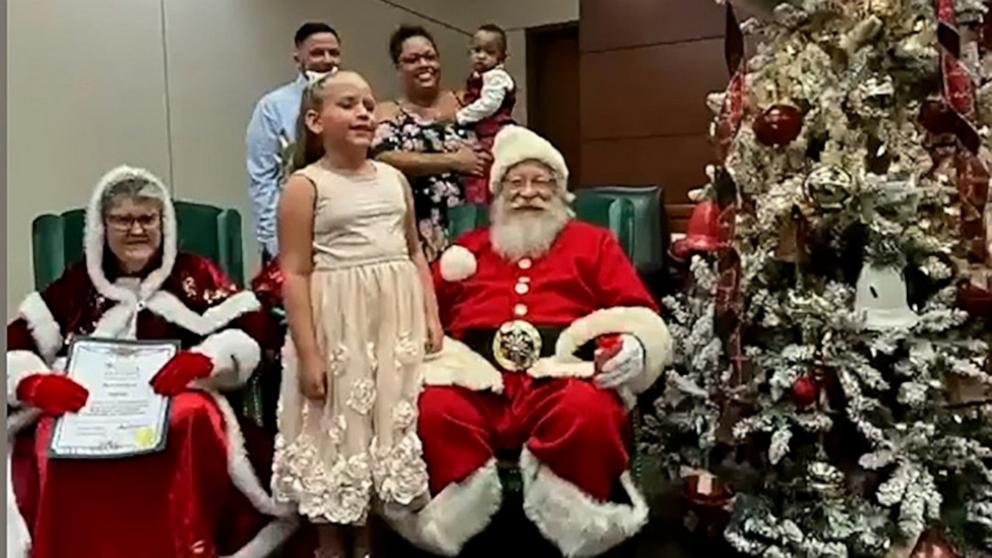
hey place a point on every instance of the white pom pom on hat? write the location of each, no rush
(516, 144)
(457, 264)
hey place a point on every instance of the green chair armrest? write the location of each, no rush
(466, 218)
(48, 243)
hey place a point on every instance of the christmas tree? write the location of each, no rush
(848, 288)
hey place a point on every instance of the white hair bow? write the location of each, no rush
(314, 78)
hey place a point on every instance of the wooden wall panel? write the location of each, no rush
(677, 163)
(613, 24)
(553, 79)
(678, 216)
(646, 69)
(658, 90)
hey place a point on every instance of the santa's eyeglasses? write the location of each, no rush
(520, 183)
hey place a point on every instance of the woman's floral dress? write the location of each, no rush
(432, 194)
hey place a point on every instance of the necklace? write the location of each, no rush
(432, 112)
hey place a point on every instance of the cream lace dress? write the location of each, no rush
(368, 313)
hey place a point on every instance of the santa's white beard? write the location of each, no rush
(517, 233)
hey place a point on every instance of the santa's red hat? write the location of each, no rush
(516, 144)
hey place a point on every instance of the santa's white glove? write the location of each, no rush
(624, 366)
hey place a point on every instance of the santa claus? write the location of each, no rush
(198, 497)
(525, 303)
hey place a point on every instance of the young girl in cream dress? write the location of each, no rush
(361, 310)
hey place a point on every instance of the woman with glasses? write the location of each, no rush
(417, 135)
(200, 495)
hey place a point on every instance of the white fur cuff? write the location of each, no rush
(458, 365)
(458, 264)
(578, 525)
(641, 322)
(18, 535)
(458, 513)
(269, 539)
(21, 364)
(235, 356)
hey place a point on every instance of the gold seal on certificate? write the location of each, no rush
(123, 415)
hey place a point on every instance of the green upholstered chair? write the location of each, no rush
(636, 214)
(212, 232)
(466, 218)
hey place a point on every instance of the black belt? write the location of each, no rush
(481, 341)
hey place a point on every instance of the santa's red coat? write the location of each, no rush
(585, 285)
(587, 270)
(551, 415)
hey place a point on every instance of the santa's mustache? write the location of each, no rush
(526, 231)
(529, 203)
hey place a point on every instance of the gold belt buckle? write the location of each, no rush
(517, 345)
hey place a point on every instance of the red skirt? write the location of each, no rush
(177, 503)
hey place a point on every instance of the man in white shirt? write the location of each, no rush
(273, 128)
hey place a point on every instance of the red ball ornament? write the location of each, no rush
(933, 545)
(804, 391)
(778, 125)
(936, 117)
(975, 300)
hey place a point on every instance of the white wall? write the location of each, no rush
(164, 84)
(510, 14)
(71, 119)
(170, 85)
(223, 55)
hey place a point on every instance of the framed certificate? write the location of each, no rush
(123, 416)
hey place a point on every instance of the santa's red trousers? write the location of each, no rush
(580, 431)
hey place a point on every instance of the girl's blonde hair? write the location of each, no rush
(309, 146)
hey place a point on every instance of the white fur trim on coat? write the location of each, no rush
(94, 236)
(516, 144)
(119, 322)
(235, 356)
(270, 538)
(643, 323)
(18, 535)
(458, 513)
(44, 329)
(240, 469)
(458, 365)
(458, 264)
(21, 364)
(21, 419)
(578, 525)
